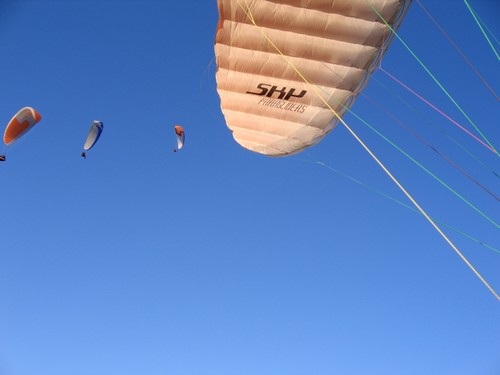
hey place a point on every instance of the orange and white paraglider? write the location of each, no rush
(22, 122)
(288, 70)
(179, 132)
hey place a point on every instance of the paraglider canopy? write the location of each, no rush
(94, 134)
(288, 70)
(179, 132)
(22, 121)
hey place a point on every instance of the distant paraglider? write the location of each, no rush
(179, 132)
(93, 136)
(22, 122)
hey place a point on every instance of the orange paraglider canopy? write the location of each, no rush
(179, 130)
(23, 121)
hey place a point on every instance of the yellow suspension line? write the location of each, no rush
(249, 14)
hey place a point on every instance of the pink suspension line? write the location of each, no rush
(437, 109)
(433, 148)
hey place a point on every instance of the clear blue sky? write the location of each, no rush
(216, 260)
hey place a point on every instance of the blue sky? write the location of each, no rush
(216, 260)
